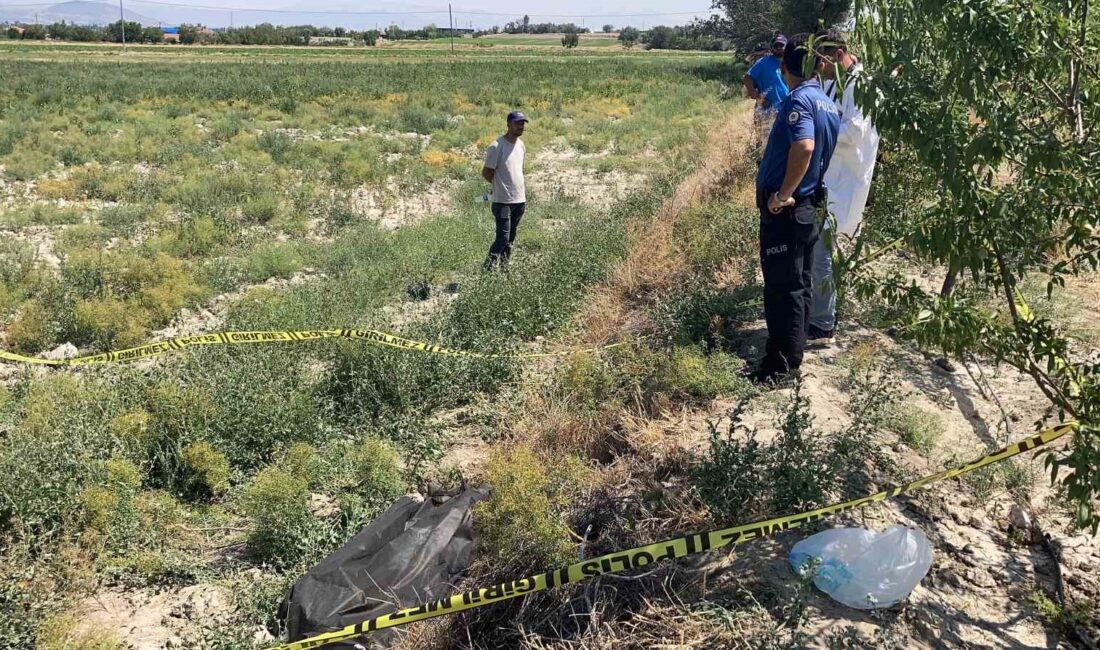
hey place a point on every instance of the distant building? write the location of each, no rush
(331, 40)
(171, 34)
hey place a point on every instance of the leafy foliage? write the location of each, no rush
(748, 23)
(993, 100)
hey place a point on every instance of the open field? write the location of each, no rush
(177, 197)
(170, 503)
(396, 51)
(549, 40)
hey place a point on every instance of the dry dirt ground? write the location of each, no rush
(991, 581)
(985, 577)
(982, 589)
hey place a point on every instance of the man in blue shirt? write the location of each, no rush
(764, 79)
(789, 192)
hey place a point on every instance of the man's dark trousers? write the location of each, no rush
(507, 216)
(786, 257)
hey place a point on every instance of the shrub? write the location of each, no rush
(109, 508)
(193, 237)
(377, 471)
(41, 214)
(261, 209)
(417, 119)
(33, 328)
(693, 374)
(743, 477)
(586, 380)
(131, 429)
(207, 469)
(122, 218)
(1009, 476)
(302, 460)
(26, 164)
(108, 322)
(17, 260)
(272, 261)
(278, 145)
(227, 127)
(81, 236)
(118, 295)
(278, 504)
(49, 188)
(98, 182)
(917, 428)
(59, 632)
(523, 518)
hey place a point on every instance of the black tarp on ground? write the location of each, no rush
(408, 555)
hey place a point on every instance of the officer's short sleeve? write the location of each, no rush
(800, 120)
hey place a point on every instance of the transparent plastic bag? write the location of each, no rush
(864, 569)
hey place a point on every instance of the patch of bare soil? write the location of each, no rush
(987, 575)
(351, 133)
(409, 311)
(393, 207)
(211, 316)
(143, 620)
(561, 170)
(992, 578)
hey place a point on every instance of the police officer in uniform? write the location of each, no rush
(789, 192)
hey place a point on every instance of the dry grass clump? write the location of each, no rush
(655, 263)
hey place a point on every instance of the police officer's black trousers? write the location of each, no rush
(786, 257)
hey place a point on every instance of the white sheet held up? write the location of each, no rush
(853, 164)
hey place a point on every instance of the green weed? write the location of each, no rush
(524, 517)
(208, 469)
(278, 505)
(741, 477)
(918, 428)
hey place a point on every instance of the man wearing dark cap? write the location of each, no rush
(764, 80)
(504, 170)
(789, 192)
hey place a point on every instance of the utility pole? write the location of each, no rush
(451, 16)
(122, 24)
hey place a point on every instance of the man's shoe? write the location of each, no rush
(815, 333)
(774, 379)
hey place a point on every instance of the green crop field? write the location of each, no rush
(160, 191)
(198, 189)
(547, 40)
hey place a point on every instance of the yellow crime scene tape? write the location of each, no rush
(645, 556)
(277, 336)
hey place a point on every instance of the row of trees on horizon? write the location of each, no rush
(741, 25)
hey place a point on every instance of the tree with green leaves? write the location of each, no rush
(570, 39)
(189, 34)
(748, 22)
(115, 31)
(628, 36)
(997, 101)
(34, 33)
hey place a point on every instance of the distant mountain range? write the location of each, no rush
(91, 12)
(78, 12)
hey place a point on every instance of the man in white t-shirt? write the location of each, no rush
(504, 170)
